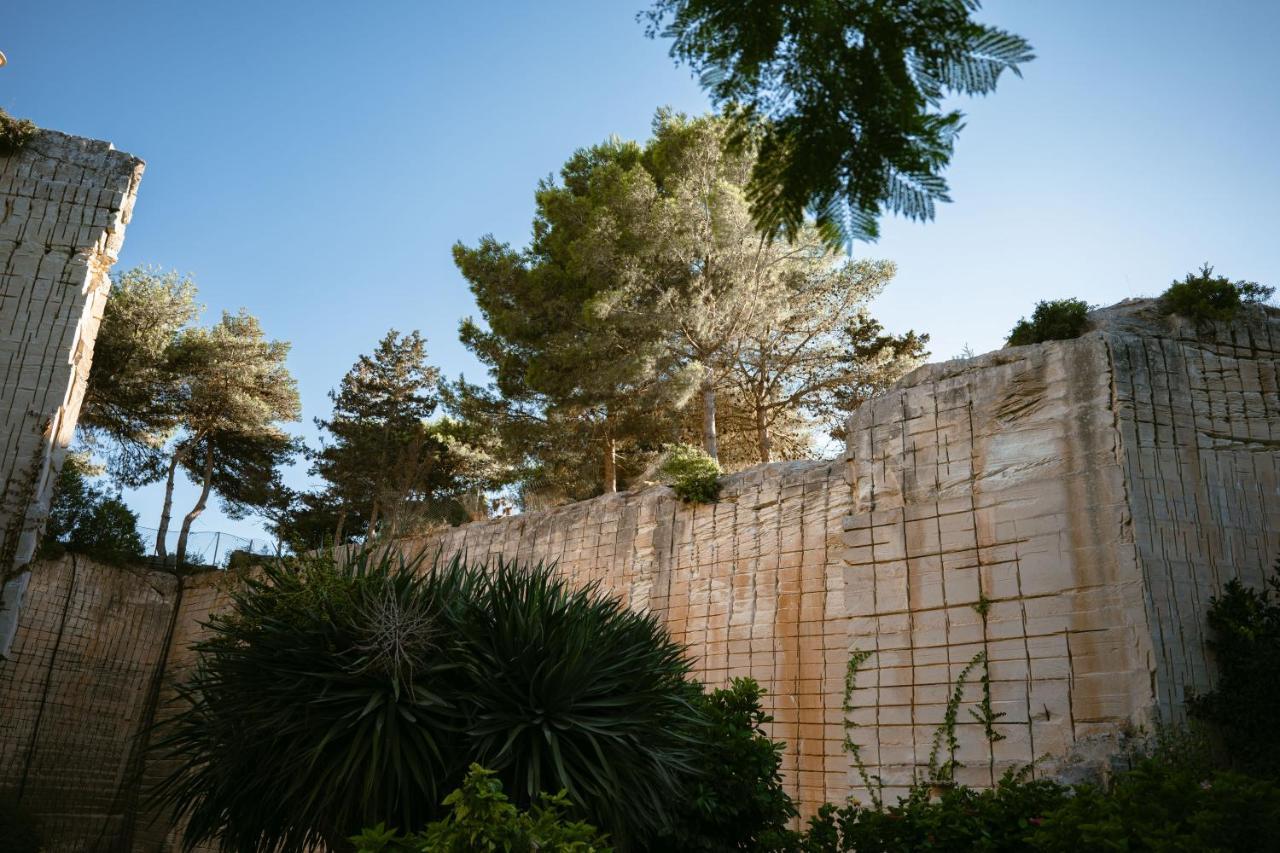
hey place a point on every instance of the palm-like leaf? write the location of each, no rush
(569, 689)
(320, 704)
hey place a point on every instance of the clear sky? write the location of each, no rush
(315, 161)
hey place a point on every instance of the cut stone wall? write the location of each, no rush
(1066, 511)
(1198, 411)
(73, 697)
(64, 204)
(748, 583)
(1051, 519)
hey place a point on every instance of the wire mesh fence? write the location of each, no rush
(206, 548)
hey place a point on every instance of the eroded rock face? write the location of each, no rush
(64, 204)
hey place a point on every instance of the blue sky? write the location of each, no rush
(314, 162)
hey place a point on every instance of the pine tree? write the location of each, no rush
(385, 463)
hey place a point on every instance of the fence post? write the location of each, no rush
(217, 541)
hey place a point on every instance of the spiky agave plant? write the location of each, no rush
(323, 701)
(568, 689)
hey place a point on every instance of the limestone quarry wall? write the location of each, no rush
(73, 697)
(1049, 522)
(64, 204)
(752, 584)
(1198, 410)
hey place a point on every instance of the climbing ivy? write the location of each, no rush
(857, 657)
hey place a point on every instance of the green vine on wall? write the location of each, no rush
(946, 732)
(873, 784)
(985, 714)
(15, 133)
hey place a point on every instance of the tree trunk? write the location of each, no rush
(610, 464)
(161, 550)
(199, 507)
(763, 441)
(337, 533)
(709, 419)
(373, 523)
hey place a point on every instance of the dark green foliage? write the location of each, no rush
(1166, 806)
(372, 686)
(693, 475)
(738, 801)
(844, 98)
(15, 133)
(1243, 710)
(86, 520)
(481, 818)
(1203, 296)
(1055, 320)
(18, 830)
(999, 819)
(570, 689)
(325, 700)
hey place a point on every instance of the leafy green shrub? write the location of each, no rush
(481, 818)
(737, 802)
(18, 830)
(372, 686)
(999, 819)
(1162, 805)
(1244, 709)
(1204, 296)
(15, 133)
(1055, 320)
(568, 688)
(692, 473)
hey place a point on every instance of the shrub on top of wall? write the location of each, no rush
(1055, 320)
(1204, 296)
(692, 473)
(15, 133)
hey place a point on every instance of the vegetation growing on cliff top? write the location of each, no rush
(15, 133)
(1053, 320)
(1204, 296)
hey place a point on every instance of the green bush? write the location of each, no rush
(1243, 711)
(1165, 806)
(1204, 296)
(15, 133)
(481, 818)
(692, 473)
(18, 829)
(372, 686)
(1055, 320)
(737, 802)
(568, 688)
(347, 678)
(84, 519)
(999, 819)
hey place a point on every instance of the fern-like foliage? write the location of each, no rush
(843, 99)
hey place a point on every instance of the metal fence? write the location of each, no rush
(207, 548)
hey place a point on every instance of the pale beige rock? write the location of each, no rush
(1093, 493)
(65, 203)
